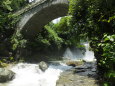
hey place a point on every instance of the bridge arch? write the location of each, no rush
(33, 20)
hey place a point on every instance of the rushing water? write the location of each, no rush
(30, 75)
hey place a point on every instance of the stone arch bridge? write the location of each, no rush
(37, 14)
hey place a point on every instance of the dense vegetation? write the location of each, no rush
(7, 23)
(87, 19)
(95, 20)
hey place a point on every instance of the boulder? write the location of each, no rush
(74, 63)
(43, 65)
(6, 75)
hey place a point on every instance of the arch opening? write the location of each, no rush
(41, 18)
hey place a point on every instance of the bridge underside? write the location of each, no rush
(43, 17)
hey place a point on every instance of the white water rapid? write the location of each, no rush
(31, 75)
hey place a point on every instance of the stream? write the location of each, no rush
(31, 75)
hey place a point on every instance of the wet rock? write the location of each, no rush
(78, 76)
(93, 70)
(81, 67)
(56, 63)
(43, 65)
(6, 75)
(74, 63)
(68, 78)
(81, 70)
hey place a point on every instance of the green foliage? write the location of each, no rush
(108, 45)
(18, 41)
(53, 35)
(63, 25)
(17, 4)
(66, 32)
(106, 84)
(8, 22)
(6, 5)
(7, 19)
(12, 5)
(47, 38)
(95, 20)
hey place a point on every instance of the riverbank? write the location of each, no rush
(83, 75)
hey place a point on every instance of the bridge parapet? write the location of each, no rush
(30, 6)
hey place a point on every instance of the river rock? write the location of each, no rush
(6, 75)
(43, 65)
(74, 63)
(78, 76)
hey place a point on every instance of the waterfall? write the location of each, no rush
(30, 75)
(89, 55)
(79, 54)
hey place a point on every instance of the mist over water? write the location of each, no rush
(79, 54)
(74, 54)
